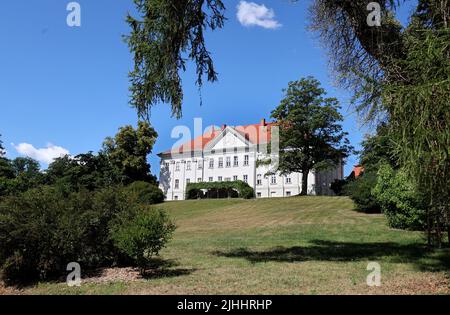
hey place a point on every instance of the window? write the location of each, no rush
(211, 163)
(245, 160)
(227, 179)
(288, 193)
(246, 178)
(235, 161)
(188, 165)
(166, 165)
(258, 195)
(188, 180)
(177, 183)
(199, 164)
(258, 179)
(177, 166)
(288, 180)
(273, 179)
(220, 162)
(210, 179)
(219, 178)
(199, 180)
(235, 178)
(228, 161)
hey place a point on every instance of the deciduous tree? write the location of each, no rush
(311, 136)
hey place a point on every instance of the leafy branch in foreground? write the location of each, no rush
(165, 33)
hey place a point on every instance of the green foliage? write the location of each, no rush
(360, 191)
(399, 200)
(193, 190)
(143, 236)
(144, 193)
(44, 229)
(128, 151)
(19, 175)
(338, 186)
(83, 171)
(2, 148)
(311, 135)
(420, 116)
(378, 149)
(162, 37)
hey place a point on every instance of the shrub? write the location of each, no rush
(338, 186)
(143, 236)
(360, 191)
(220, 189)
(44, 229)
(145, 193)
(399, 201)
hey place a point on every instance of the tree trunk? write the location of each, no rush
(304, 191)
(448, 226)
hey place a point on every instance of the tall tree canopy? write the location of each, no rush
(163, 36)
(128, 151)
(311, 135)
(2, 148)
(404, 73)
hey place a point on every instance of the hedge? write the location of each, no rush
(194, 190)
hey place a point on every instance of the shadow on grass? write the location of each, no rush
(322, 250)
(163, 268)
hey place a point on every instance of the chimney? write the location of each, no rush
(263, 122)
(224, 126)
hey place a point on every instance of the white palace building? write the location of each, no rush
(235, 153)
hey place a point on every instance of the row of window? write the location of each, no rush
(211, 179)
(273, 179)
(211, 163)
(273, 194)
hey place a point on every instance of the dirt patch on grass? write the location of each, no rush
(108, 275)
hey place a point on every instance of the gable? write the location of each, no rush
(228, 140)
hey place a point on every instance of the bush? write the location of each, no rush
(143, 236)
(220, 189)
(360, 191)
(44, 229)
(145, 193)
(399, 201)
(338, 186)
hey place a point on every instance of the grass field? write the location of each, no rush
(297, 245)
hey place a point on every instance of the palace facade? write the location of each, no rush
(237, 153)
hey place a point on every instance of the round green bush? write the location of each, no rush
(143, 236)
(145, 193)
(360, 191)
(399, 200)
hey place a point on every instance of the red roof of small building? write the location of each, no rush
(357, 170)
(255, 133)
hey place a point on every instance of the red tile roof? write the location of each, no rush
(357, 170)
(255, 133)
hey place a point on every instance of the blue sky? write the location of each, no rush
(67, 87)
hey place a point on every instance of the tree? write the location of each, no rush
(165, 33)
(83, 171)
(2, 148)
(128, 152)
(311, 136)
(377, 149)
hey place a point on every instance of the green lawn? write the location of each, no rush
(297, 245)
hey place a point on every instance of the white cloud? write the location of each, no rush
(44, 155)
(250, 13)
